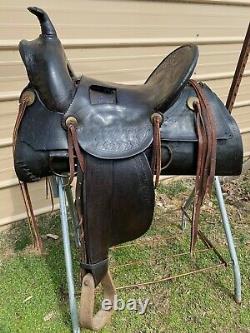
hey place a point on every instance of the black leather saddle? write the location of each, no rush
(108, 134)
(114, 120)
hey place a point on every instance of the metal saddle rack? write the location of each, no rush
(66, 200)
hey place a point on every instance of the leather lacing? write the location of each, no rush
(206, 158)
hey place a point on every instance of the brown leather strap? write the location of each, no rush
(72, 130)
(200, 166)
(156, 119)
(80, 216)
(210, 132)
(73, 146)
(34, 230)
(206, 157)
(22, 107)
(37, 241)
(49, 192)
(71, 158)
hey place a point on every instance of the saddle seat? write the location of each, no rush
(114, 120)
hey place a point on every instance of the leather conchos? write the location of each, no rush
(179, 122)
(179, 137)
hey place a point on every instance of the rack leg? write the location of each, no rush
(230, 241)
(68, 257)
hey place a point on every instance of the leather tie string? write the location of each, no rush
(22, 107)
(26, 100)
(74, 152)
(73, 148)
(157, 120)
(206, 157)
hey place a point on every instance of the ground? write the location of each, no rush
(33, 294)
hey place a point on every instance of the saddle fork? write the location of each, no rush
(87, 317)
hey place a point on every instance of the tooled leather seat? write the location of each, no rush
(114, 120)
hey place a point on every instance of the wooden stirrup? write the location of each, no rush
(87, 302)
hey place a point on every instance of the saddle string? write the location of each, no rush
(49, 192)
(206, 158)
(81, 220)
(213, 143)
(27, 213)
(157, 120)
(22, 107)
(73, 146)
(31, 217)
(71, 159)
(198, 198)
(75, 152)
(32, 222)
(209, 126)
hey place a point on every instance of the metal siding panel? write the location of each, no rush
(7, 172)
(95, 19)
(13, 207)
(246, 143)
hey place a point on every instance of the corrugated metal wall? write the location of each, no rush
(119, 41)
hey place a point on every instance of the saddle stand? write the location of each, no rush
(66, 199)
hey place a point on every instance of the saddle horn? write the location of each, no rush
(47, 67)
(47, 27)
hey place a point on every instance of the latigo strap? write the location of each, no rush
(157, 120)
(27, 99)
(206, 157)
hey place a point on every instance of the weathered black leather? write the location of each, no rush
(179, 136)
(114, 131)
(114, 120)
(47, 66)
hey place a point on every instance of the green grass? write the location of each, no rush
(33, 293)
(173, 188)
